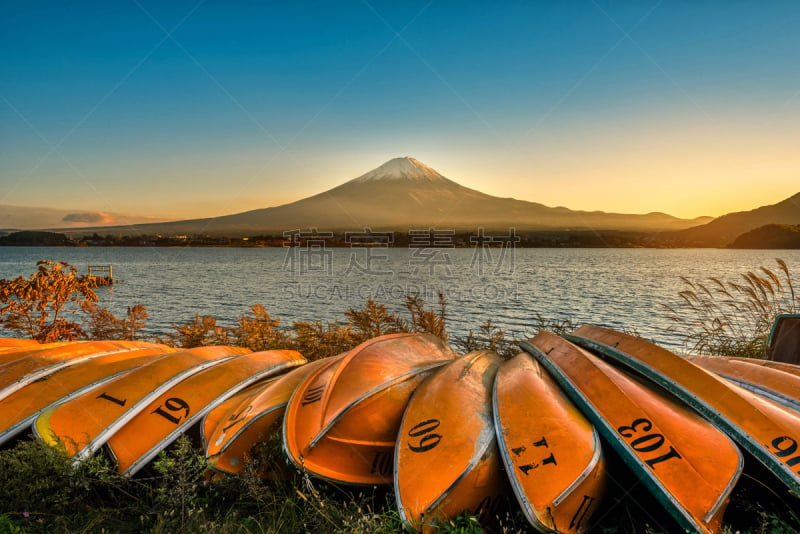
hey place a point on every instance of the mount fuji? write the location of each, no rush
(404, 194)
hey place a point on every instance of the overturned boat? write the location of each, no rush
(236, 425)
(769, 382)
(19, 408)
(341, 423)
(765, 429)
(83, 424)
(176, 409)
(447, 460)
(688, 464)
(551, 452)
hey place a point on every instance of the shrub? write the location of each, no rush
(199, 332)
(315, 339)
(37, 306)
(179, 495)
(428, 321)
(257, 331)
(375, 320)
(489, 337)
(44, 491)
(102, 324)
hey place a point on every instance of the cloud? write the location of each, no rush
(89, 217)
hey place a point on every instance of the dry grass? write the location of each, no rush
(258, 330)
(733, 318)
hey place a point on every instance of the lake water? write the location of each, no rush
(621, 288)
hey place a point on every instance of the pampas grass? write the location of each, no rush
(733, 318)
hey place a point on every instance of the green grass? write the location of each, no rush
(45, 492)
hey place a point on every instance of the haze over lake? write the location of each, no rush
(620, 288)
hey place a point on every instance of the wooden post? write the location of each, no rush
(104, 272)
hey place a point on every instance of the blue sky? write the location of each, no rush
(188, 109)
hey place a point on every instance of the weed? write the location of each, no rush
(178, 497)
(375, 320)
(489, 337)
(258, 330)
(734, 318)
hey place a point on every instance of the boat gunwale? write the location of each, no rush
(598, 453)
(729, 488)
(351, 354)
(234, 409)
(286, 444)
(485, 441)
(255, 394)
(519, 492)
(247, 425)
(341, 361)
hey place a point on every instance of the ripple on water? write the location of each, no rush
(620, 288)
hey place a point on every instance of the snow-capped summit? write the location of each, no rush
(406, 168)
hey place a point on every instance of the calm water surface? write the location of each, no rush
(623, 288)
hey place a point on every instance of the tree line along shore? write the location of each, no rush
(773, 236)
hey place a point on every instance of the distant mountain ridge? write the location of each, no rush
(404, 194)
(771, 236)
(724, 230)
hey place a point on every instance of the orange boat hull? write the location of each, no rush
(13, 342)
(551, 452)
(780, 366)
(774, 384)
(226, 412)
(11, 354)
(35, 363)
(447, 460)
(159, 423)
(342, 421)
(765, 429)
(250, 418)
(688, 464)
(18, 409)
(80, 423)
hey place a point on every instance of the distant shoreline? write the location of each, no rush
(414, 239)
